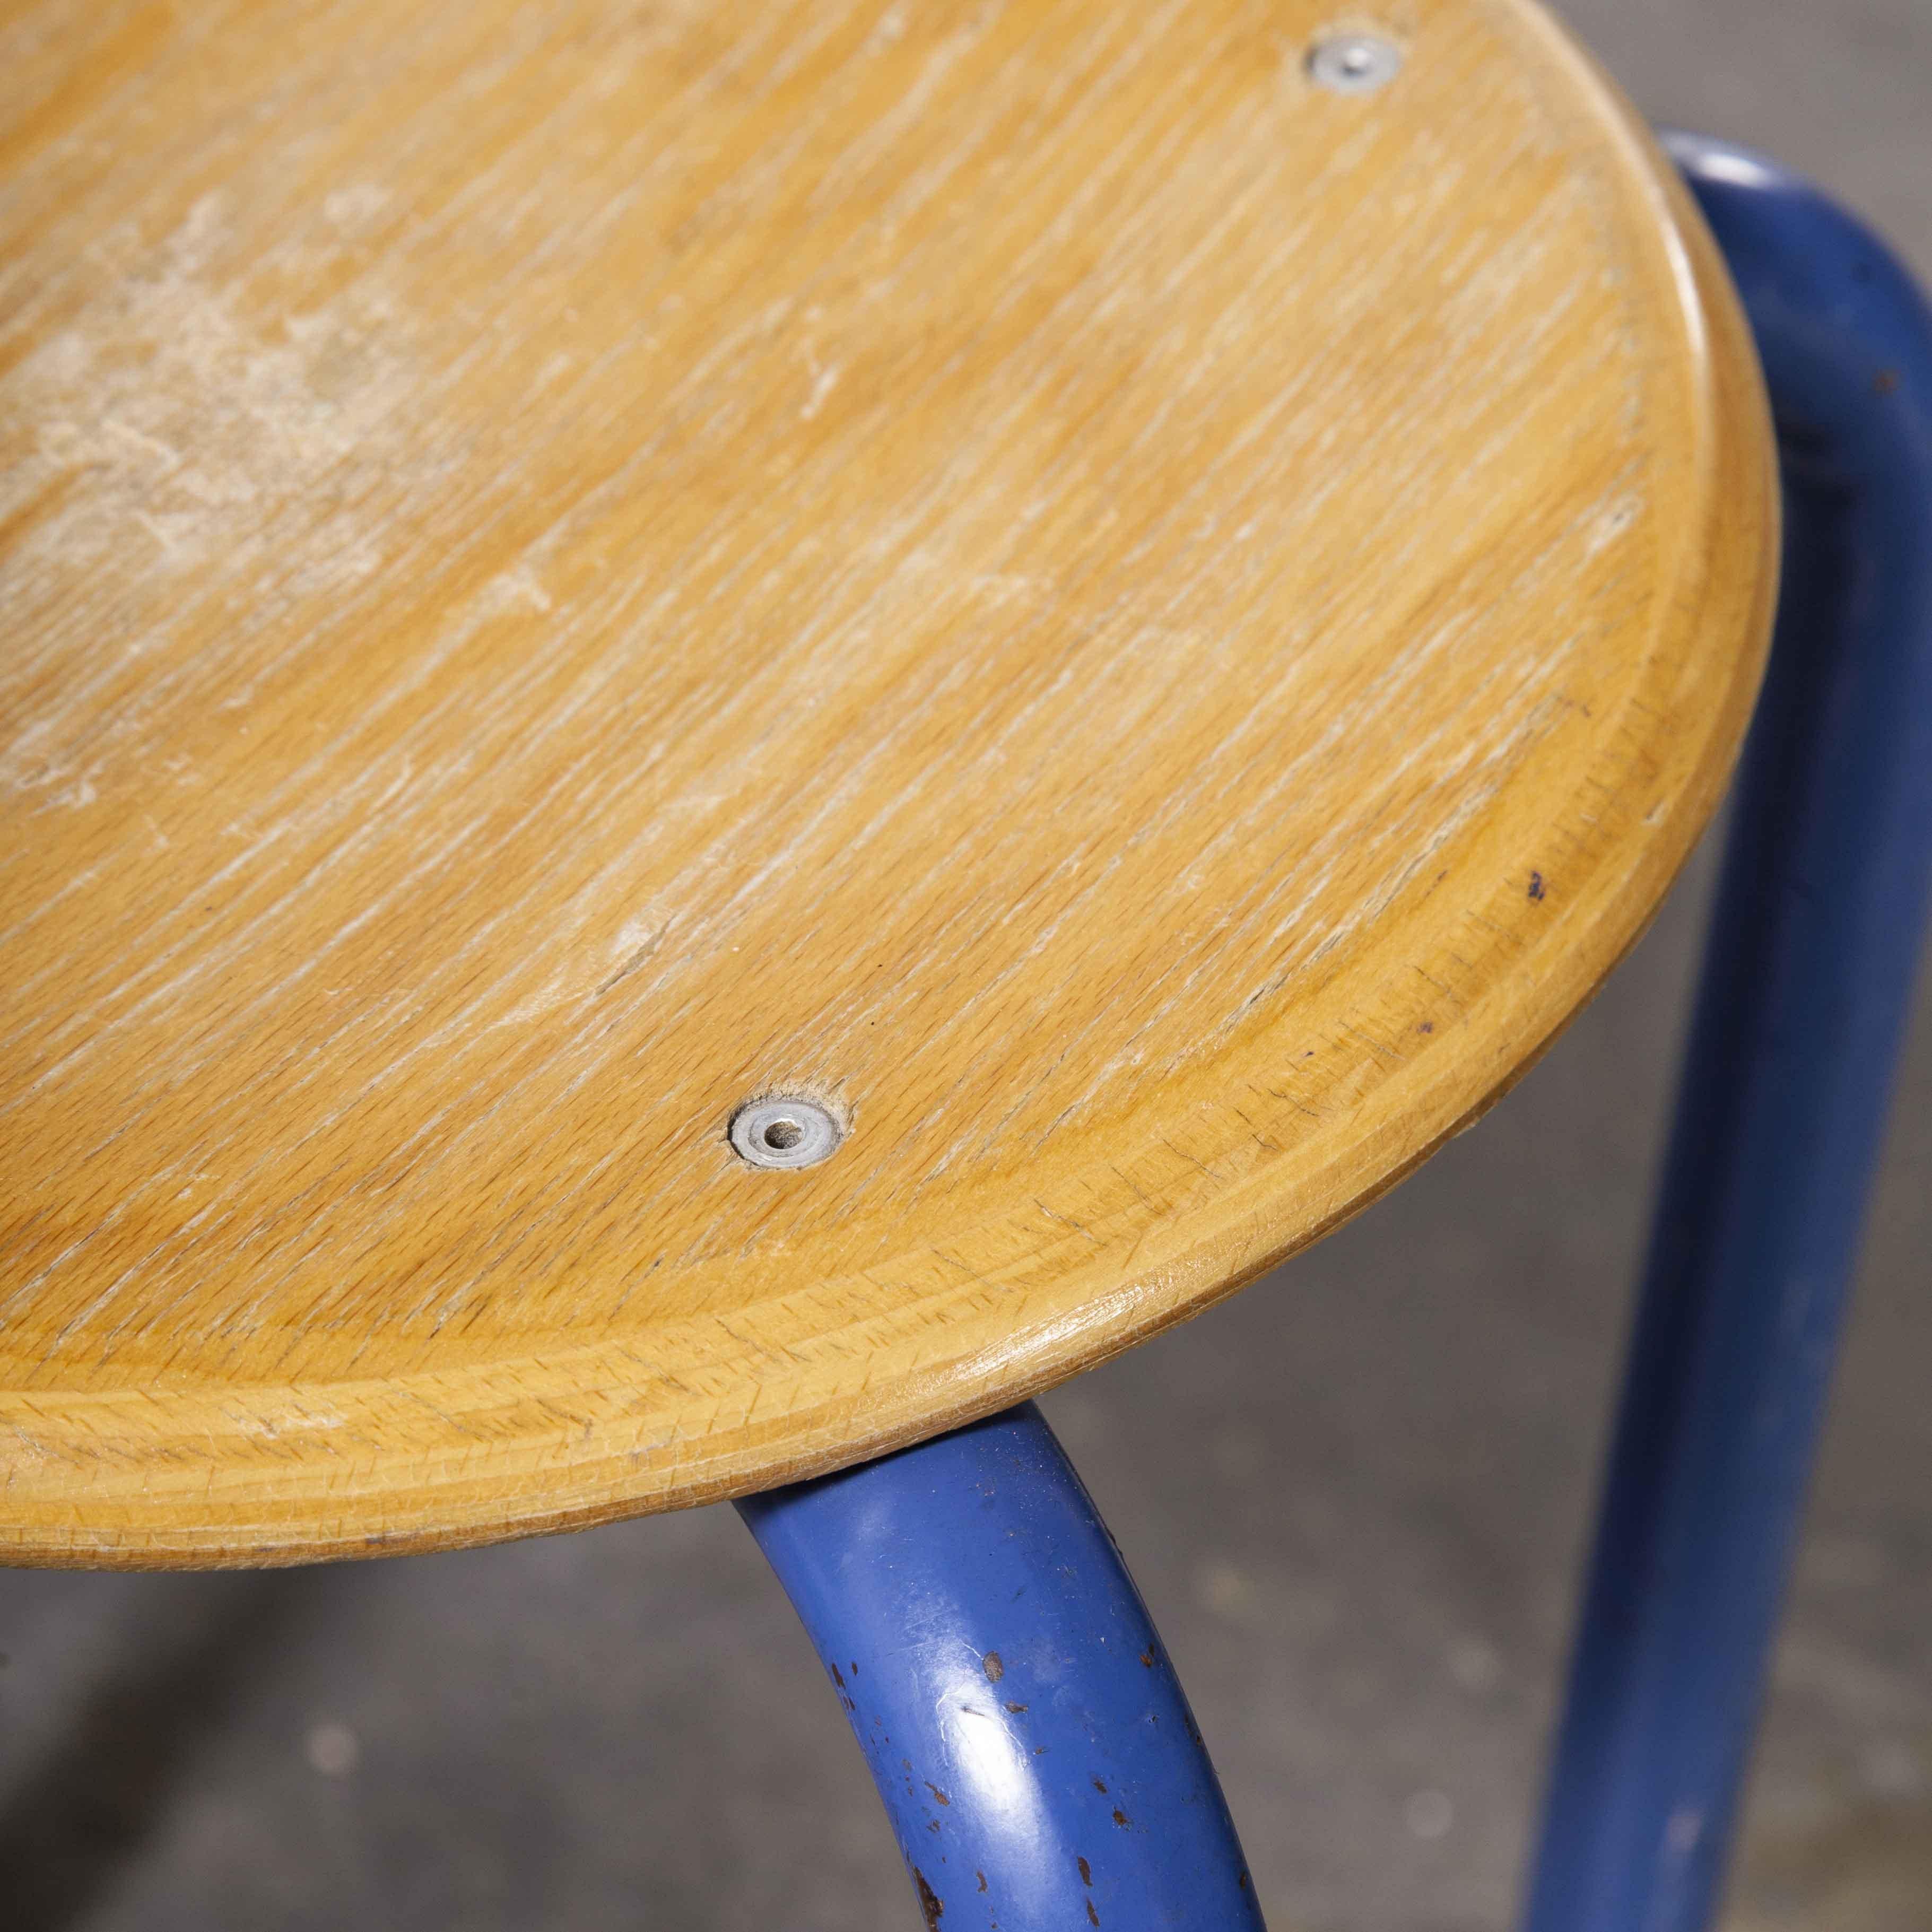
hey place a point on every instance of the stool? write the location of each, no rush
(739, 730)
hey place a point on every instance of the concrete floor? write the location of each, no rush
(1355, 1498)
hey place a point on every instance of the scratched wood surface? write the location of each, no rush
(1145, 630)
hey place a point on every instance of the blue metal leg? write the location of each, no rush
(1805, 991)
(1039, 1761)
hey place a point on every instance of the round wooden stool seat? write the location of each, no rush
(1122, 620)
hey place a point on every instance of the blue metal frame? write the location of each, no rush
(1032, 1745)
(1807, 981)
(1040, 1765)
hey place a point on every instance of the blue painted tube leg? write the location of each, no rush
(1036, 1754)
(1806, 987)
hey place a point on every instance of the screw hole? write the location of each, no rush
(783, 1134)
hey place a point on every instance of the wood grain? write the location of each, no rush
(1147, 631)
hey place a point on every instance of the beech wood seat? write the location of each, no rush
(1137, 630)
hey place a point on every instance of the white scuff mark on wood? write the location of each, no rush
(354, 208)
(823, 382)
(510, 589)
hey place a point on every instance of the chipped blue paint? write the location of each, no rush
(1041, 1769)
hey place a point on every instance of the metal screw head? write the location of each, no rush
(784, 1131)
(1353, 63)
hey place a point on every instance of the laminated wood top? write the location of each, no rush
(1143, 630)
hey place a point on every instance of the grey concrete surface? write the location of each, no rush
(1355, 1498)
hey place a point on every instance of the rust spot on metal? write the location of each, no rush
(990, 1664)
(1100, 1785)
(1120, 1817)
(937, 1792)
(981, 1877)
(1016, 1708)
(1093, 1917)
(1147, 1658)
(930, 1902)
(1086, 1871)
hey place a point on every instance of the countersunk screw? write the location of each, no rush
(1353, 63)
(785, 1130)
